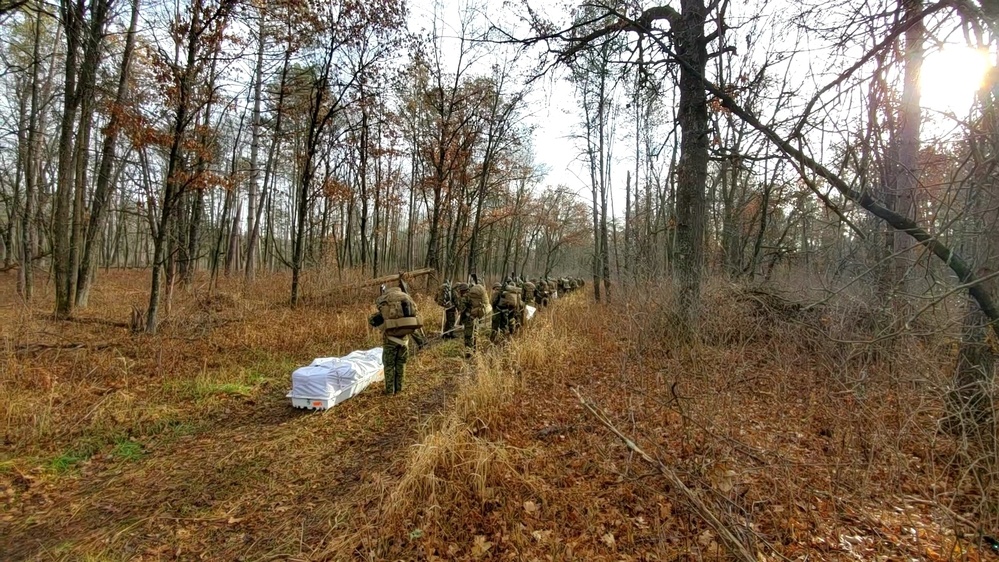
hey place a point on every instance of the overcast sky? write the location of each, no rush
(551, 106)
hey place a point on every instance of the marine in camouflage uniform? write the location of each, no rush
(469, 323)
(395, 353)
(498, 320)
(445, 297)
(395, 349)
(521, 314)
(510, 318)
(545, 288)
(530, 291)
(419, 336)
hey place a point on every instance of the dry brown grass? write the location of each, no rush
(803, 440)
(804, 443)
(461, 464)
(158, 442)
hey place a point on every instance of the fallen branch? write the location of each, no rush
(728, 538)
(81, 320)
(33, 347)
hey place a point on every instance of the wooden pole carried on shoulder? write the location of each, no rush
(396, 276)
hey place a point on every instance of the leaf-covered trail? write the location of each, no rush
(192, 449)
(796, 463)
(789, 462)
(260, 479)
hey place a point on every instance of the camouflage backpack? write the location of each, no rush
(399, 312)
(530, 290)
(479, 302)
(510, 297)
(445, 296)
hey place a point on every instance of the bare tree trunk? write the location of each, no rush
(193, 249)
(232, 252)
(604, 239)
(74, 152)
(173, 191)
(363, 180)
(378, 200)
(906, 177)
(191, 239)
(102, 190)
(252, 215)
(688, 253)
(764, 217)
(411, 223)
(629, 218)
(15, 209)
(595, 190)
(72, 20)
(228, 228)
(26, 278)
(265, 197)
(318, 118)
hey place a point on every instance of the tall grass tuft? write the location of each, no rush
(461, 463)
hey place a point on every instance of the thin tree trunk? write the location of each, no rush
(363, 181)
(15, 210)
(174, 185)
(26, 279)
(252, 214)
(317, 122)
(906, 177)
(266, 198)
(103, 188)
(72, 20)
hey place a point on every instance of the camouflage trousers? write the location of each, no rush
(449, 318)
(394, 356)
(471, 326)
(505, 321)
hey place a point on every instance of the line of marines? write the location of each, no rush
(508, 302)
(469, 304)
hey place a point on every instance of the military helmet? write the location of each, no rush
(461, 287)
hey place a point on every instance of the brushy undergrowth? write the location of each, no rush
(804, 431)
(807, 431)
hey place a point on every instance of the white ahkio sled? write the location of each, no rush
(327, 381)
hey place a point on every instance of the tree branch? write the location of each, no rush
(886, 42)
(728, 538)
(641, 25)
(961, 268)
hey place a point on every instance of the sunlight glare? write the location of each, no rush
(951, 77)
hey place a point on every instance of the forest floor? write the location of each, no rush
(182, 446)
